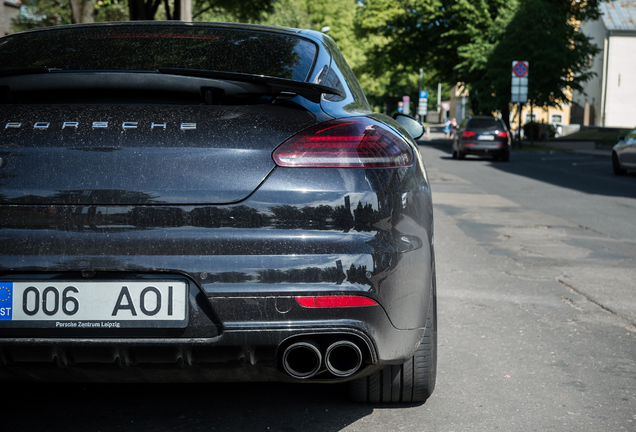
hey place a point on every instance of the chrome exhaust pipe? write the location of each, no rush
(302, 360)
(343, 358)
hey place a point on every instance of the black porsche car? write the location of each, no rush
(209, 202)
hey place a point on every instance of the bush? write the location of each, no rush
(535, 128)
(531, 130)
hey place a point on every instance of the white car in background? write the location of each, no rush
(624, 154)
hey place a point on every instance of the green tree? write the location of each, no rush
(45, 13)
(42, 13)
(545, 33)
(286, 13)
(475, 41)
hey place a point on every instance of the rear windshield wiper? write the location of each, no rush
(24, 71)
(307, 90)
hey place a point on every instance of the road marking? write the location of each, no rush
(472, 200)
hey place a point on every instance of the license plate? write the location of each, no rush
(96, 304)
(486, 138)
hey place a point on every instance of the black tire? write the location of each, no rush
(410, 382)
(460, 155)
(454, 154)
(616, 165)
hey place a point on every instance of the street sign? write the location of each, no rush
(446, 106)
(407, 105)
(520, 68)
(422, 107)
(519, 88)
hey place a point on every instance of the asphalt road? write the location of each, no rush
(537, 322)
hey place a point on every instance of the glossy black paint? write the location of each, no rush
(90, 154)
(211, 207)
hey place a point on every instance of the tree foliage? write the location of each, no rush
(475, 41)
(45, 13)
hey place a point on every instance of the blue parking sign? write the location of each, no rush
(6, 301)
(423, 94)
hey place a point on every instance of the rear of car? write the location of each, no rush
(208, 202)
(624, 154)
(482, 136)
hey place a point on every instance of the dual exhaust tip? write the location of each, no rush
(303, 359)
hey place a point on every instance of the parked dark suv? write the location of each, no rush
(482, 135)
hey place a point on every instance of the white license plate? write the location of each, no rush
(95, 304)
(486, 138)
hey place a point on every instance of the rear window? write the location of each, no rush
(490, 124)
(147, 48)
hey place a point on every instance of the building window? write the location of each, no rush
(556, 118)
(530, 118)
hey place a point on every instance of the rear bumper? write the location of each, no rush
(479, 148)
(240, 352)
(244, 264)
(229, 336)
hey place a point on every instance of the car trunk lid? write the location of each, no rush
(139, 154)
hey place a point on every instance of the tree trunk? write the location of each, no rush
(182, 10)
(141, 10)
(83, 11)
(505, 116)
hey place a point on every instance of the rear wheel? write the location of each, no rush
(460, 155)
(616, 165)
(412, 381)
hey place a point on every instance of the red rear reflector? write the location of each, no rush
(502, 134)
(345, 143)
(335, 301)
(468, 134)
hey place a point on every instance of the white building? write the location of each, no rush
(610, 98)
(9, 9)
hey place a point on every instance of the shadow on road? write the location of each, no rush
(580, 172)
(271, 407)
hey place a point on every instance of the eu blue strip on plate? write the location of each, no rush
(6, 301)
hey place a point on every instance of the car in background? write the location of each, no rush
(482, 136)
(624, 154)
(201, 202)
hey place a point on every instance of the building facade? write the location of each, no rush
(609, 99)
(9, 10)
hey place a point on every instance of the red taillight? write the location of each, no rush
(345, 143)
(468, 134)
(502, 134)
(335, 301)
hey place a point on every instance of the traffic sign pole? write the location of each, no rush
(519, 89)
(520, 73)
(422, 107)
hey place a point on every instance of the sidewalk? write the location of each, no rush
(581, 147)
(436, 133)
